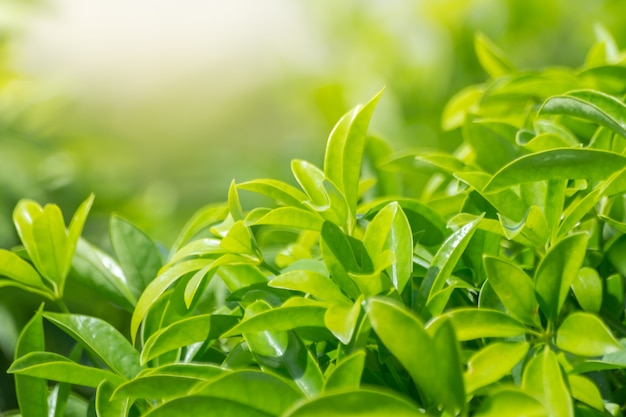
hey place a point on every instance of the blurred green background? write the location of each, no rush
(155, 106)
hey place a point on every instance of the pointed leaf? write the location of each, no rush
(595, 106)
(16, 268)
(585, 334)
(341, 320)
(202, 219)
(460, 105)
(100, 338)
(587, 287)
(492, 363)
(107, 407)
(291, 217)
(310, 282)
(474, 323)
(206, 407)
(583, 389)
(491, 58)
(346, 375)
(511, 403)
(543, 379)
(280, 318)
(280, 191)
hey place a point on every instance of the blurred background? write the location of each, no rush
(156, 105)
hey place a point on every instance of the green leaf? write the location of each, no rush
(511, 403)
(280, 318)
(587, 287)
(278, 190)
(493, 143)
(283, 351)
(184, 332)
(32, 392)
(16, 268)
(206, 407)
(344, 151)
(101, 339)
(157, 387)
(543, 379)
(473, 323)
(585, 334)
(339, 257)
(361, 403)
(341, 320)
(556, 272)
(157, 287)
(239, 240)
(58, 368)
(346, 375)
(583, 389)
(138, 256)
(534, 226)
(443, 264)
(491, 58)
(202, 219)
(492, 363)
(610, 79)
(462, 104)
(390, 231)
(290, 217)
(514, 289)
(262, 391)
(96, 270)
(449, 370)
(595, 106)
(107, 407)
(310, 282)
(557, 164)
(405, 337)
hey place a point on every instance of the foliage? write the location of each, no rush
(498, 290)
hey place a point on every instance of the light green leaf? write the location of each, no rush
(100, 338)
(107, 407)
(260, 390)
(361, 403)
(280, 319)
(310, 282)
(32, 392)
(610, 79)
(137, 254)
(461, 104)
(390, 231)
(58, 368)
(587, 287)
(157, 287)
(543, 379)
(283, 351)
(344, 151)
(339, 258)
(474, 323)
(280, 191)
(291, 217)
(202, 219)
(239, 240)
(449, 370)
(341, 320)
(585, 334)
(557, 164)
(96, 270)
(492, 363)
(491, 58)
(514, 289)
(16, 268)
(557, 270)
(443, 264)
(157, 387)
(184, 332)
(206, 407)
(405, 337)
(534, 227)
(583, 389)
(346, 375)
(493, 143)
(511, 403)
(595, 106)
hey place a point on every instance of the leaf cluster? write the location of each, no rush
(497, 290)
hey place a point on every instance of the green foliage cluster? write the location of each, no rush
(497, 290)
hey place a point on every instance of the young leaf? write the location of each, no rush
(32, 392)
(138, 256)
(543, 379)
(390, 231)
(344, 151)
(16, 268)
(491, 58)
(474, 323)
(310, 282)
(511, 403)
(341, 320)
(58, 368)
(585, 334)
(592, 105)
(100, 338)
(186, 332)
(492, 363)
(202, 219)
(587, 287)
(583, 389)
(280, 319)
(290, 217)
(339, 257)
(514, 289)
(461, 104)
(443, 264)
(449, 371)
(556, 272)
(346, 375)
(361, 403)
(107, 407)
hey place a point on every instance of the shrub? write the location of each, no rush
(495, 288)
